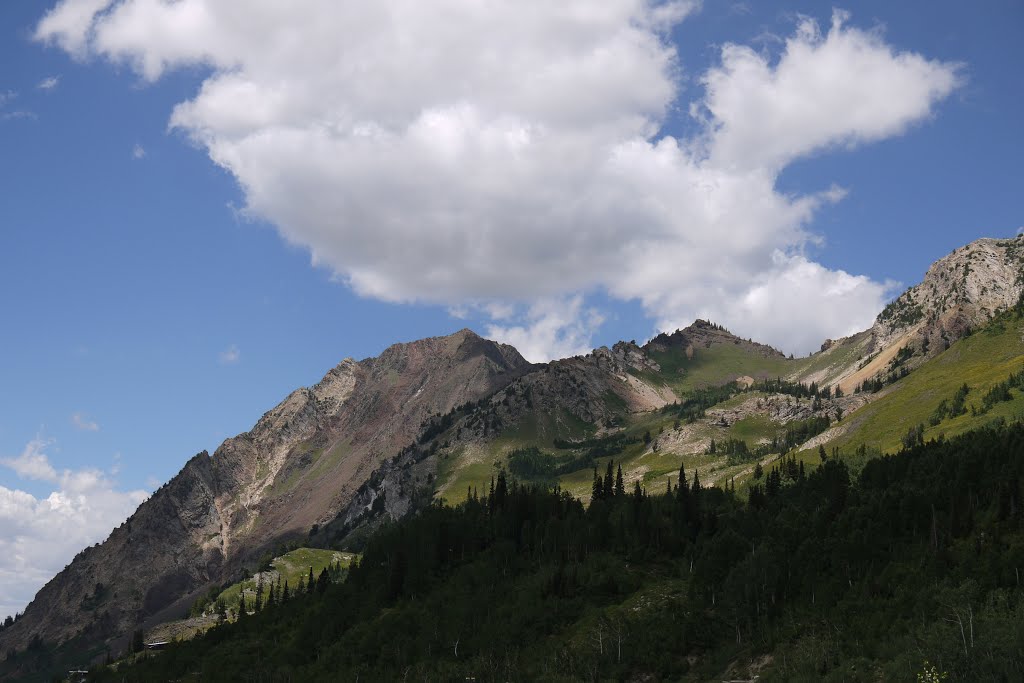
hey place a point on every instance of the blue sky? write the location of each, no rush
(155, 302)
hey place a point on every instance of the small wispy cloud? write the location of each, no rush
(6, 97)
(138, 151)
(18, 114)
(33, 463)
(49, 83)
(84, 423)
(230, 355)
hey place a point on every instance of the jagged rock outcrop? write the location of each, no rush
(298, 466)
(959, 293)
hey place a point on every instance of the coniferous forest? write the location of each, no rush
(910, 568)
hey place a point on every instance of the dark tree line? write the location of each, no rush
(829, 572)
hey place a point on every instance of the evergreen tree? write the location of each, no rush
(501, 489)
(138, 643)
(758, 470)
(323, 581)
(597, 490)
(822, 453)
(242, 610)
(284, 593)
(311, 582)
(620, 486)
(681, 485)
(696, 482)
(609, 482)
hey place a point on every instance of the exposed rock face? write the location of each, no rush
(299, 465)
(959, 292)
(783, 409)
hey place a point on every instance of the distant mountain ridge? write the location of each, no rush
(298, 465)
(377, 438)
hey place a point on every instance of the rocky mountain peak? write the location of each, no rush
(299, 465)
(703, 333)
(959, 292)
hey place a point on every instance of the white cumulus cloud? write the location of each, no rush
(553, 328)
(511, 152)
(40, 535)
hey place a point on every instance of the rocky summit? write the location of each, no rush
(299, 465)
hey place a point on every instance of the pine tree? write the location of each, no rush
(501, 489)
(620, 486)
(242, 610)
(138, 642)
(609, 482)
(682, 486)
(597, 491)
(310, 582)
(696, 481)
(284, 593)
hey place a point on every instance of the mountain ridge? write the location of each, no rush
(353, 444)
(263, 486)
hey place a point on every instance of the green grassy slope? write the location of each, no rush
(981, 360)
(291, 567)
(474, 465)
(716, 365)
